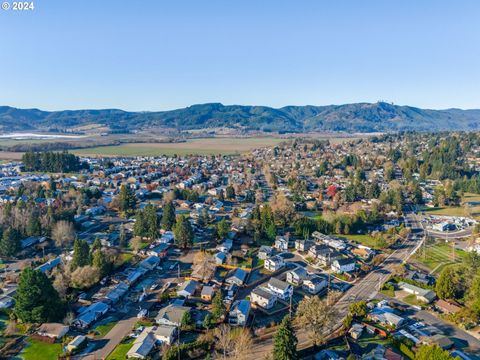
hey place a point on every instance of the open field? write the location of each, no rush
(206, 146)
(363, 239)
(464, 210)
(437, 256)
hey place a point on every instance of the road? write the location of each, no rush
(124, 327)
(364, 289)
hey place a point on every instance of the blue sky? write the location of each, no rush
(158, 55)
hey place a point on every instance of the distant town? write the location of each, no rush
(362, 248)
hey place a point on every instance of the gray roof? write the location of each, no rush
(172, 313)
(262, 292)
(279, 284)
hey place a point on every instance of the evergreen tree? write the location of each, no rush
(36, 300)
(10, 243)
(139, 226)
(183, 232)
(218, 307)
(34, 227)
(168, 216)
(122, 238)
(101, 262)
(81, 254)
(221, 229)
(150, 222)
(285, 341)
(127, 201)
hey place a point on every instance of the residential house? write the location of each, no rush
(303, 245)
(265, 252)
(171, 315)
(239, 312)
(226, 246)
(78, 342)
(447, 307)
(314, 284)
(142, 346)
(280, 288)
(207, 293)
(343, 265)
(237, 276)
(385, 316)
(281, 243)
(90, 314)
(220, 258)
(263, 298)
(188, 288)
(297, 275)
(424, 295)
(274, 263)
(52, 330)
(150, 263)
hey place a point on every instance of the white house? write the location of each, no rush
(296, 276)
(188, 288)
(281, 243)
(239, 312)
(314, 284)
(343, 265)
(263, 298)
(280, 288)
(274, 263)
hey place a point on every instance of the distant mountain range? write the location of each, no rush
(359, 117)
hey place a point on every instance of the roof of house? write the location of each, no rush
(208, 291)
(262, 292)
(449, 307)
(52, 329)
(242, 306)
(143, 344)
(240, 274)
(189, 286)
(172, 313)
(278, 284)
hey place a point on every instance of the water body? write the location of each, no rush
(28, 136)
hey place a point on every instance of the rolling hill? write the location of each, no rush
(358, 117)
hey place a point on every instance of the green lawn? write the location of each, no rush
(412, 300)
(438, 255)
(38, 350)
(388, 292)
(364, 239)
(448, 211)
(105, 326)
(120, 352)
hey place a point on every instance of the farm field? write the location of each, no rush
(210, 146)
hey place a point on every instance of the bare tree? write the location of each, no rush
(224, 339)
(63, 233)
(203, 265)
(85, 277)
(242, 344)
(317, 317)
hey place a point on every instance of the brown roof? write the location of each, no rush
(447, 307)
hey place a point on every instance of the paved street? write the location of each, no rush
(364, 289)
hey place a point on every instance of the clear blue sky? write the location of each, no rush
(159, 54)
